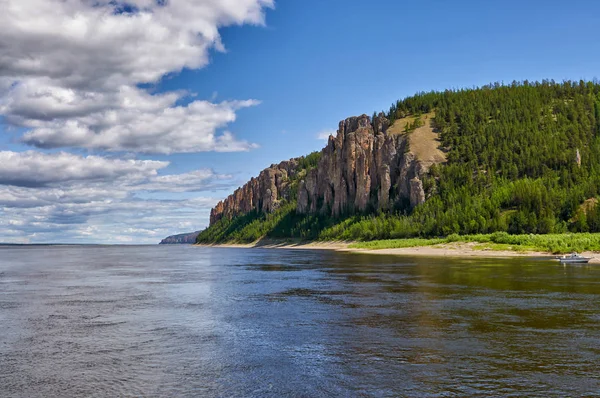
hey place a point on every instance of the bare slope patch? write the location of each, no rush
(424, 141)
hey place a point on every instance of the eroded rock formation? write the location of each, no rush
(362, 167)
(263, 193)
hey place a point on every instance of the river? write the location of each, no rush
(160, 321)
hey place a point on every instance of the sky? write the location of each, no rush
(125, 122)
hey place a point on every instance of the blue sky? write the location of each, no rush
(317, 62)
(113, 133)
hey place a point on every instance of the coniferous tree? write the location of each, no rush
(511, 167)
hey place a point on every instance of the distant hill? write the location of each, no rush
(188, 238)
(518, 158)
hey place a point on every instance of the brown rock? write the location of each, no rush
(263, 193)
(417, 194)
(361, 167)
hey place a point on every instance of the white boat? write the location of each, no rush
(574, 258)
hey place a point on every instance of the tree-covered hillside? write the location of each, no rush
(521, 158)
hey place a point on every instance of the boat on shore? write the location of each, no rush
(574, 258)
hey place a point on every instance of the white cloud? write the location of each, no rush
(70, 70)
(94, 44)
(110, 221)
(30, 169)
(64, 171)
(75, 73)
(143, 123)
(71, 198)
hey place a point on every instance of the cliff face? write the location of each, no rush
(362, 166)
(263, 193)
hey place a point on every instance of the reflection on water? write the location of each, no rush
(185, 321)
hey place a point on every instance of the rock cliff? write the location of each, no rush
(263, 193)
(363, 168)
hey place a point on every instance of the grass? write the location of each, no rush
(553, 243)
(423, 141)
(397, 243)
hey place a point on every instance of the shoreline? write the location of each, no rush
(456, 249)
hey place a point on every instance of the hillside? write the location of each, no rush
(188, 238)
(519, 158)
(423, 141)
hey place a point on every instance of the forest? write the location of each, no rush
(522, 158)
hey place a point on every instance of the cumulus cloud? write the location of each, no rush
(75, 74)
(70, 71)
(158, 129)
(127, 220)
(72, 198)
(31, 169)
(108, 43)
(65, 171)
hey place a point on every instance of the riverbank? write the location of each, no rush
(451, 249)
(274, 244)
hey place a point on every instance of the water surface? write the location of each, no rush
(184, 321)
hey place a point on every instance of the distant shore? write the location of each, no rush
(456, 249)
